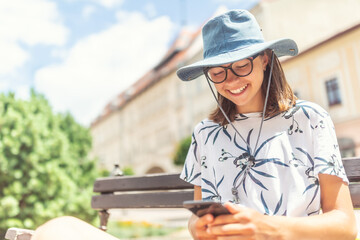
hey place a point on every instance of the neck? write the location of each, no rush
(255, 106)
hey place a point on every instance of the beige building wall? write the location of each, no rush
(338, 57)
(306, 21)
(162, 116)
(106, 141)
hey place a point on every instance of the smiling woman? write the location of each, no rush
(269, 173)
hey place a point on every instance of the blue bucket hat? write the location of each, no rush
(230, 37)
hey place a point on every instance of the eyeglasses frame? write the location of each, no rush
(252, 58)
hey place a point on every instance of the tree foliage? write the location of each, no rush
(45, 170)
(128, 171)
(181, 151)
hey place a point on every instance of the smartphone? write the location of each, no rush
(200, 207)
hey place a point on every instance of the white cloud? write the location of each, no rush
(88, 11)
(11, 57)
(238, 3)
(27, 22)
(4, 85)
(109, 3)
(100, 66)
(22, 92)
(104, 3)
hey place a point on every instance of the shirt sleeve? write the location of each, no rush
(327, 157)
(192, 167)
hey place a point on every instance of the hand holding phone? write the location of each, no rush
(201, 208)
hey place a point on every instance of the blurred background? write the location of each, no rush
(89, 84)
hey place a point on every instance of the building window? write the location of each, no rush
(347, 147)
(333, 92)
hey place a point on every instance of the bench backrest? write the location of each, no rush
(352, 169)
(169, 191)
(149, 191)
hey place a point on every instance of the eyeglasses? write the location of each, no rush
(240, 68)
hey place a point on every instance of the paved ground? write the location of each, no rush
(176, 217)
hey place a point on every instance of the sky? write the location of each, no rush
(80, 54)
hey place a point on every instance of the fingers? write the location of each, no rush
(203, 221)
(225, 219)
(201, 226)
(239, 214)
(232, 229)
(237, 237)
(205, 236)
(237, 223)
(233, 208)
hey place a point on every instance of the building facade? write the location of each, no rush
(329, 74)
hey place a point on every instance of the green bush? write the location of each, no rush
(45, 170)
(128, 171)
(181, 151)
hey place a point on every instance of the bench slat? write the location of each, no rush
(141, 183)
(352, 168)
(143, 200)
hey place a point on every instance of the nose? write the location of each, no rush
(230, 76)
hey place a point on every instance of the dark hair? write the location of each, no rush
(281, 96)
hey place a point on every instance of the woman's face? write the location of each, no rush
(245, 92)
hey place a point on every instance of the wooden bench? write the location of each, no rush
(151, 191)
(162, 191)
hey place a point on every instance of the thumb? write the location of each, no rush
(233, 208)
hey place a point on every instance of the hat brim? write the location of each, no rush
(281, 47)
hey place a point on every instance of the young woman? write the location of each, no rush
(272, 159)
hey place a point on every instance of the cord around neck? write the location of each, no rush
(263, 112)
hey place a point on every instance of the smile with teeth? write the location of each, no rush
(239, 90)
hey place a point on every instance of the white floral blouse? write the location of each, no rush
(280, 176)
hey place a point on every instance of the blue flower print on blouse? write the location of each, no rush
(215, 129)
(331, 166)
(306, 107)
(189, 177)
(277, 208)
(309, 172)
(212, 188)
(248, 164)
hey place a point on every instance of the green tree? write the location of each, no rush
(181, 151)
(45, 170)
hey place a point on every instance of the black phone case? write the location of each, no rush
(201, 208)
